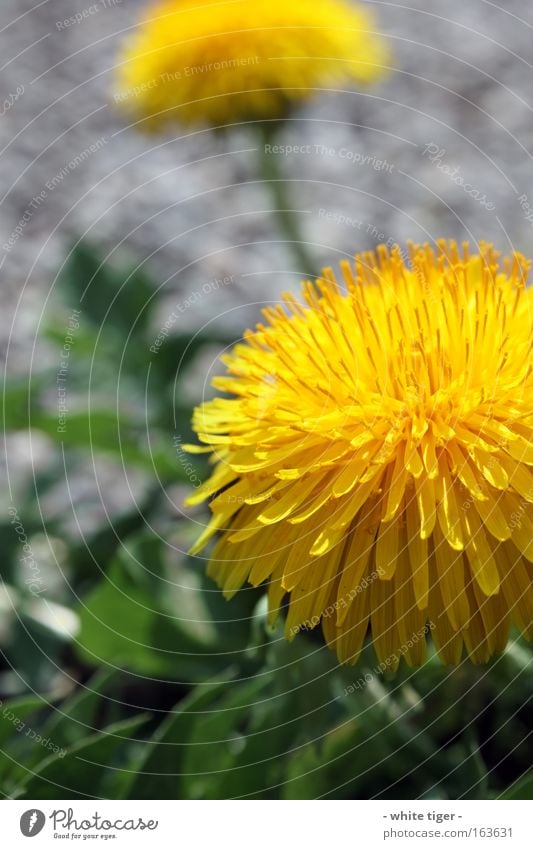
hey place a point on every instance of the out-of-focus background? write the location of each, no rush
(111, 240)
(461, 80)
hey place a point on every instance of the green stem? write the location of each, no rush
(282, 207)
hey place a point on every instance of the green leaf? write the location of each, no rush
(472, 777)
(13, 712)
(18, 397)
(93, 556)
(21, 739)
(66, 725)
(318, 767)
(374, 748)
(80, 772)
(217, 739)
(521, 789)
(37, 638)
(104, 293)
(75, 718)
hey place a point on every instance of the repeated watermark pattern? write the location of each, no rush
(184, 73)
(185, 462)
(328, 152)
(86, 13)
(74, 163)
(39, 199)
(390, 662)
(27, 731)
(366, 227)
(436, 155)
(34, 580)
(62, 374)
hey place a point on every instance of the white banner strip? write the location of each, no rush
(245, 824)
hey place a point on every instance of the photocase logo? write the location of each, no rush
(32, 822)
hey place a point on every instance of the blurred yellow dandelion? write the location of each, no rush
(208, 62)
(373, 462)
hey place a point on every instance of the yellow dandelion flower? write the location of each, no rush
(373, 462)
(206, 62)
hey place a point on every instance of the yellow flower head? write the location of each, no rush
(209, 62)
(373, 460)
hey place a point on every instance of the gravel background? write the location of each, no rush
(183, 203)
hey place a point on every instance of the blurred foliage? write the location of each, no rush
(128, 675)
